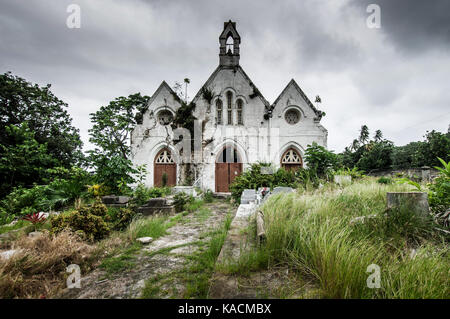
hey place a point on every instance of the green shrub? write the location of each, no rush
(180, 201)
(94, 227)
(320, 159)
(22, 201)
(120, 218)
(255, 177)
(142, 194)
(97, 209)
(384, 180)
(439, 194)
(208, 196)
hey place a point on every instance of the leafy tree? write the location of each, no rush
(47, 117)
(113, 124)
(409, 155)
(319, 158)
(376, 156)
(378, 137)
(23, 160)
(436, 145)
(113, 171)
(364, 134)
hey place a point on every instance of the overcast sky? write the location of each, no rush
(395, 78)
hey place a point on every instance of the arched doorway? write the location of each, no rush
(164, 164)
(291, 160)
(228, 166)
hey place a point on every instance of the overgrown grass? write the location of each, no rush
(313, 234)
(39, 267)
(20, 224)
(202, 267)
(122, 256)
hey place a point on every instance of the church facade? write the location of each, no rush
(236, 127)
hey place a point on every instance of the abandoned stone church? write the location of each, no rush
(239, 127)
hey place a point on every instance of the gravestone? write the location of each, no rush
(158, 205)
(115, 201)
(248, 196)
(282, 189)
(417, 201)
(189, 190)
(342, 180)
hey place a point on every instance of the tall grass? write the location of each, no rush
(313, 234)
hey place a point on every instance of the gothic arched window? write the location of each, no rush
(219, 111)
(291, 160)
(229, 108)
(240, 105)
(164, 157)
(230, 45)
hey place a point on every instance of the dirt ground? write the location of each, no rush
(159, 259)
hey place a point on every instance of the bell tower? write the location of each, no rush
(229, 41)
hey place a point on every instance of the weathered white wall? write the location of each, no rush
(252, 140)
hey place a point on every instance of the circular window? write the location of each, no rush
(165, 117)
(292, 116)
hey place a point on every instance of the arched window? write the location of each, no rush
(240, 105)
(164, 157)
(229, 108)
(219, 111)
(291, 160)
(230, 45)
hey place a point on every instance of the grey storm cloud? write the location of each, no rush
(414, 26)
(393, 78)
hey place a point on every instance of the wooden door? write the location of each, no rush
(164, 163)
(228, 167)
(225, 175)
(170, 170)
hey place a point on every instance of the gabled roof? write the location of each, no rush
(230, 27)
(240, 69)
(161, 86)
(318, 113)
(164, 84)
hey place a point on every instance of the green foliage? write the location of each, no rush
(354, 172)
(439, 193)
(208, 196)
(23, 161)
(47, 117)
(92, 226)
(97, 209)
(207, 94)
(410, 155)
(256, 177)
(312, 234)
(22, 201)
(384, 180)
(142, 194)
(320, 159)
(112, 169)
(377, 155)
(180, 200)
(251, 179)
(445, 169)
(408, 181)
(120, 218)
(112, 124)
(70, 185)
